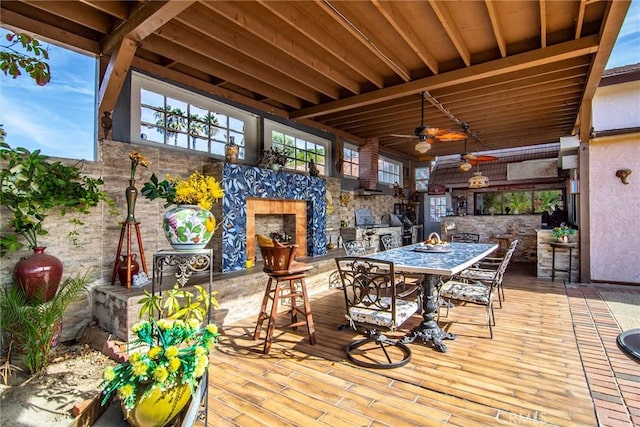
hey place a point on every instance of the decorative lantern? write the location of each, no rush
(478, 180)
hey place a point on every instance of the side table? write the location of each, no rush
(561, 245)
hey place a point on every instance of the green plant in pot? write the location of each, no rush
(33, 187)
(35, 326)
(167, 359)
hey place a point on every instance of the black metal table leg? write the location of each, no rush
(429, 330)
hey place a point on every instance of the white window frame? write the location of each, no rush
(271, 126)
(353, 148)
(386, 177)
(140, 81)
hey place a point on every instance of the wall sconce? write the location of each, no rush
(623, 174)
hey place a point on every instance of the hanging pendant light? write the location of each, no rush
(423, 146)
(478, 180)
(466, 166)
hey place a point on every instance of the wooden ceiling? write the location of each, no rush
(517, 71)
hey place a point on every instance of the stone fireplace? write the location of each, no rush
(250, 190)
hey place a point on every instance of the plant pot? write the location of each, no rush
(38, 276)
(188, 227)
(158, 408)
(121, 268)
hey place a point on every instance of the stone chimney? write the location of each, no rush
(369, 164)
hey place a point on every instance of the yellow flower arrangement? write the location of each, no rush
(198, 190)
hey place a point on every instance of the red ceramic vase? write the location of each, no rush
(38, 275)
(121, 268)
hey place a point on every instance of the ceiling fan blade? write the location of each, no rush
(402, 136)
(451, 136)
(481, 159)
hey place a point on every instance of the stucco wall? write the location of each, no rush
(616, 106)
(614, 209)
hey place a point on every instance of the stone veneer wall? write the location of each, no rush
(545, 255)
(489, 226)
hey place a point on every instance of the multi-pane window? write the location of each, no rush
(350, 161)
(422, 178)
(299, 147)
(518, 202)
(437, 208)
(389, 172)
(175, 117)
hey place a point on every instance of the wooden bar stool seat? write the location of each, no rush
(286, 281)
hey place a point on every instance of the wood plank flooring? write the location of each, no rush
(530, 373)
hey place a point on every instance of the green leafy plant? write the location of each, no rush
(33, 186)
(33, 327)
(33, 62)
(178, 303)
(274, 156)
(562, 231)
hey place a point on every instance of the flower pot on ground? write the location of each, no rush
(166, 360)
(38, 276)
(191, 224)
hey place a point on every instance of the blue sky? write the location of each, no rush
(59, 118)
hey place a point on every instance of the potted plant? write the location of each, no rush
(190, 225)
(273, 158)
(33, 187)
(562, 233)
(167, 359)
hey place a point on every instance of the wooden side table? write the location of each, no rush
(561, 245)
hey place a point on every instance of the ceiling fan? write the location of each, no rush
(469, 160)
(426, 135)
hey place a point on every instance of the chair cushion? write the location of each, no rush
(475, 292)
(264, 241)
(478, 274)
(404, 310)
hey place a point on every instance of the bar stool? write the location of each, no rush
(284, 272)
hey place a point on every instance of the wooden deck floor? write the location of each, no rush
(530, 373)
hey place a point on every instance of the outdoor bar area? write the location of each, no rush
(286, 213)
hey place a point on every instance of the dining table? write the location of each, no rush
(433, 262)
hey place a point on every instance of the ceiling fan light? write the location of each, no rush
(423, 147)
(465, 167)
(478, 180)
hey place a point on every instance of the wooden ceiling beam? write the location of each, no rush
(543, 23)
(386, 58)
(496, 25)
(180, 38)
(556, 53)
(390, 11)
(21, 23)
(144, 21)
(75, 12)
(448, 23)
(290, 12)
(115, 74)
(233, 41)
(296, 53)
(580, 20)
(214, 68)
(114, 8)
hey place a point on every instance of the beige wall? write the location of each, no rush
(614, 209)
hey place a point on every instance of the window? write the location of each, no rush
(518, 202)
(59, 118)
(168, 115)
(351, 161)
(389, 172)
(300, 147)
(422, 178)
(437, 208)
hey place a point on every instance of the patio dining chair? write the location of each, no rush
(389, 241)
(486, 270)
(469, 291)
(355, 248)
(373, 305)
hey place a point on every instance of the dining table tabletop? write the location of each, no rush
(433, 262)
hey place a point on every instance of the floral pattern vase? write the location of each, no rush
(158, 408)
(188, 227)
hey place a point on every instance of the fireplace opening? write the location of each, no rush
(270, 225)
